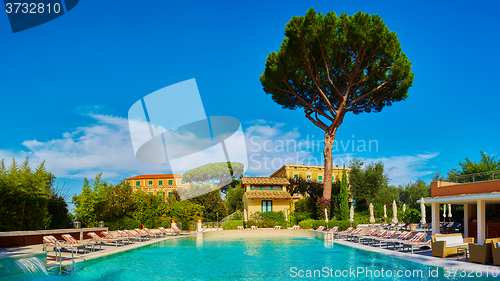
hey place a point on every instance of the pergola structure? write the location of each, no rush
(481, 201)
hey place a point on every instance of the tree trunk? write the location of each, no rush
(327, 181)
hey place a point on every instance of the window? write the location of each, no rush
(183, 182)
(169, 194)
(138, 183)
(160, 182)
(170, 182)
(295, 176)
(151, 192)
(308, 176)
(320, 178)
(267, 205)
(150, 182)
(161, 194)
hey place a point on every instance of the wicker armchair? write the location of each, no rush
(481, 253)
(495, 251)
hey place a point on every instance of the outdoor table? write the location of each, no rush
(463, 250)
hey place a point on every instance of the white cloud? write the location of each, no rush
(106, 147)
(101, 147)
(405, 168)
(270, 146)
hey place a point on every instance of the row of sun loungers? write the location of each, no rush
(277, 227)
(375, 237)
(124, 237)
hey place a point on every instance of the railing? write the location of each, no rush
(210, 226)
(58, 250)
(230, 217)
(477, 177)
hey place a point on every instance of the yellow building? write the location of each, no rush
(315, 173)
(161, 185)
(265, 194)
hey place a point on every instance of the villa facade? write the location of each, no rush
(265, 194)
(315, 173)
(161, 185)
(270, 193)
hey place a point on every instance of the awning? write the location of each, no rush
(471, 198)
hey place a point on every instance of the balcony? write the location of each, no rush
(467, 184)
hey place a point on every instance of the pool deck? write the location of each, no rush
(104, 250)
(424, 256)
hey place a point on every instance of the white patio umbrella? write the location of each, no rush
(394, 212)
(404, 208)
(422, 210)
(385, 213)
(351, 214)
(326, 218)
(444, 212)
(449, 211)
(372, 217)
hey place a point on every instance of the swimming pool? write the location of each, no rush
(246, 259)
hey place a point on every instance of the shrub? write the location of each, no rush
(323, 204)
(411, 216)
(164, 221)
(249, 223)
(232, 224)
(237, 216)
(343, 224)
(362, 219)
(302, 205)
(267, 219)
(267, 224)
(300, 216)
(307, 224)
(124, 223)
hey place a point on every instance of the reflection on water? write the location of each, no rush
(191, 258)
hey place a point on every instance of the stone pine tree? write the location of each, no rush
(344, 197)
(331, 65)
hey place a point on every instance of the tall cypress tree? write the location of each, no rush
(344, 197)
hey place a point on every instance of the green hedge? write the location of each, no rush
(300, 216)
(265, 223)
(232, 224)
(267, 219)
(314, 224)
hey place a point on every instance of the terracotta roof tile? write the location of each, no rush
(267, 194)
(265, 181)
(161, 176)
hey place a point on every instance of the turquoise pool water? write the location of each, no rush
(247, 259)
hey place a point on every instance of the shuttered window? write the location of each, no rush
(267, 205)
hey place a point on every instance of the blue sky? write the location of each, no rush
(66, 86)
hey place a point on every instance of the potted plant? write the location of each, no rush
(412, 216)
